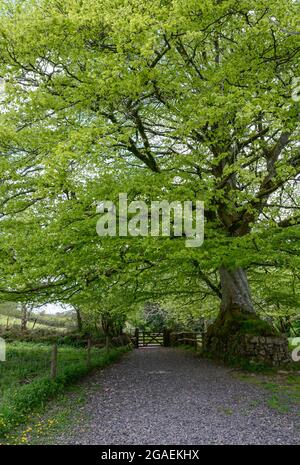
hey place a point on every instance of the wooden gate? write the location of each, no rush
(165, 339)
(149, 339)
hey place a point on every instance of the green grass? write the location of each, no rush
(284, 388)
(228, 411)
(187, 347)
(59, 415)
(25, 382)
(285, 392)
(276, 403)
(26, 361)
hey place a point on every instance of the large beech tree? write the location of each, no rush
(182, 99)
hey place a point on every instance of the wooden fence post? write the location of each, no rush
(34, 323)
(89, 352)
(136, 335)
(54, 361)
(166, 336)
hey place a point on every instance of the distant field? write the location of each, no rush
(14, 321)
(11, 315)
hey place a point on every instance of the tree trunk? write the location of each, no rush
(228, 336)
(107, 341)
(24, 317)
(107, 329)
(79, 319)
(236, 294)
(236, 308)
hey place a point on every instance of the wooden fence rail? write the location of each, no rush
(186, 338)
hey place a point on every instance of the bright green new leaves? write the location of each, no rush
(177, 100)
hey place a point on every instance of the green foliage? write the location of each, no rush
(297, 327)
(155, 317)
(173, 100)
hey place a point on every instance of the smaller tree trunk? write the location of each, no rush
(24, 317)
(79, 319)
(89, 344)
(106, 323)
(107, 341)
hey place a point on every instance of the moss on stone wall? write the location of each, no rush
(245, 336)
(236, 322)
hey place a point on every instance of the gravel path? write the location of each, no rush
(167, 396)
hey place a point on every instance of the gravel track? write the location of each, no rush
(168, 396)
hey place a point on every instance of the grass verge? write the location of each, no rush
(283, 387)
(18, 401)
